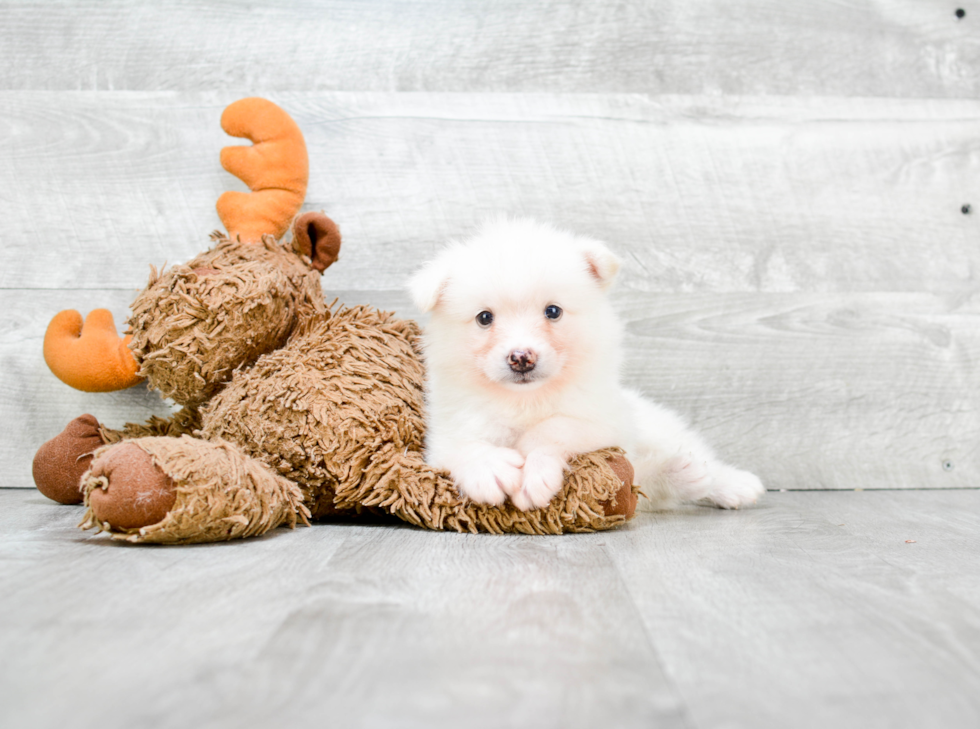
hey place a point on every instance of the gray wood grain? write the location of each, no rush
(810, 391)
(856, 48)
(817, 391)
(810, 610)
(352, 626)
(698, 193)
(845, 609)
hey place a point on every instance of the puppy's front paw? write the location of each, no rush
(733, 489)
(486, 474)
(544, 475)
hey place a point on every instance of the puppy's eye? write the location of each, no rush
(484, 318)
(553, 312)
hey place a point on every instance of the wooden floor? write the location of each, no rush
(794, 188)
(833, 609)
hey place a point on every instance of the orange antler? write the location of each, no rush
(91, 356)
(275, 167)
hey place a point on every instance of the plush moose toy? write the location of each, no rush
(291, 409)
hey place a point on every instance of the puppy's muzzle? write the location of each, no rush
(522, 361)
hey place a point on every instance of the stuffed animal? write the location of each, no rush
(291, 409)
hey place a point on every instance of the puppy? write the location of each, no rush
(523, 366)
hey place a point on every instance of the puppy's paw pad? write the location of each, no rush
(543, 478)
(733, 489)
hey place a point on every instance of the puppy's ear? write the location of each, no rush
(602, 263)
(428, 283)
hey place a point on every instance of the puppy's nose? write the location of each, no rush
(522, 360)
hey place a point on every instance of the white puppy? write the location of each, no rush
(523, 360)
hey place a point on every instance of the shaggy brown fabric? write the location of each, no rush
(401, 484)
(195, 323)
(184, 421)
(60, 462)
(220, 494)
(346, 385)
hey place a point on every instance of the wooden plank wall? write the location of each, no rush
(785, 180)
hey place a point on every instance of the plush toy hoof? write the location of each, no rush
(137, 493)
(625, 501)
(60, 463)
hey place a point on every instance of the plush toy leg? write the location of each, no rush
(183, 491)
(60, 463)
(598, 494)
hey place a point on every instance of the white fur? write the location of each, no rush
(506, 435)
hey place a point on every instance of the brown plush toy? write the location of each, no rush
(291, 409)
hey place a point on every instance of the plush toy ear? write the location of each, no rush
(429, 282)
(318, 237)
(602, 263)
